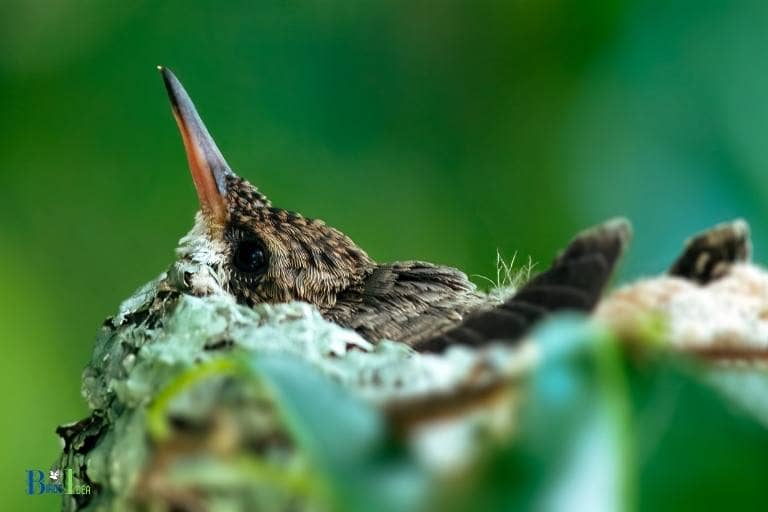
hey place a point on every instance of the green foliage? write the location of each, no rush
(345, 438)
(606, 430)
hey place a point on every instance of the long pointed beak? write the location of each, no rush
(208, 167)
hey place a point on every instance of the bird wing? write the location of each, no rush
(575, 281)
(407, 301)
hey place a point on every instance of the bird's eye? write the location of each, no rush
(250, 257)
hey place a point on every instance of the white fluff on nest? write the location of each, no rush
(729, 314)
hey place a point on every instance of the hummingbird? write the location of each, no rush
(259, 253)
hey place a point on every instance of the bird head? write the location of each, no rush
(258, 253)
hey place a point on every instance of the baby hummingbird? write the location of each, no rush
(263, 254)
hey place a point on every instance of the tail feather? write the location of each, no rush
(575, 281)
(708, 255)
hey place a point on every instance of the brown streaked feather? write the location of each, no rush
(407, 301)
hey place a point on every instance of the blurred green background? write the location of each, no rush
(425, 130)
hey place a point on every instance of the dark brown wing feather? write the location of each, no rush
(575, 281)
(407, 301)
(708, 255)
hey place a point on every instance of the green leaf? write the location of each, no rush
(696, 449)
(345, 437)
(573, 451)
(604, 429)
